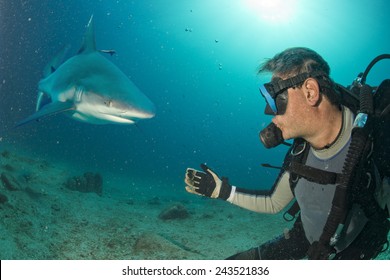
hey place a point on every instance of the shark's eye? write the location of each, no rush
(108, 103)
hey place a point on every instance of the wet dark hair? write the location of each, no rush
(294, 61)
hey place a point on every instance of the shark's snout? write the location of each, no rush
(140, 114)
(149, 112)
(142, 109)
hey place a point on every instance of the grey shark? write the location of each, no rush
(89, 88)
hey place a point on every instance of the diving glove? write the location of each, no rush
(207, 183)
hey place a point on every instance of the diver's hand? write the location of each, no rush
(206, 183)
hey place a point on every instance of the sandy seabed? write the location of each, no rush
(42, 219)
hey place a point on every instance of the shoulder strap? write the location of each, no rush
(298, 169)
(313, 174)
(297, 154)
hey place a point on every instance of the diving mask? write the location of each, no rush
(275, 92)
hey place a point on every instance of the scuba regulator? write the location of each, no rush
(271, 136)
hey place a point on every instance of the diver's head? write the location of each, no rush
(291, 69)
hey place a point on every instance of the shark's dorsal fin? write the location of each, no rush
(88, 44)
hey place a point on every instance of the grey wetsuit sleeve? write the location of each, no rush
(271, 201)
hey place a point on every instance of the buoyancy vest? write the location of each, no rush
(315, 199)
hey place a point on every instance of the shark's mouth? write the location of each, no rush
(119, 119)
(103, 118)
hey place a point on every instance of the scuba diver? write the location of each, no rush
(335, 170)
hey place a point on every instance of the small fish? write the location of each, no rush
(110, 52)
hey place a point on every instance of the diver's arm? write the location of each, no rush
(271, 201)
(207, 183)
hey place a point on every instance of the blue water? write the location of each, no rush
(196, 60)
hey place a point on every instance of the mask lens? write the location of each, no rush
(281, 102)
(268, 96)
(276, 104)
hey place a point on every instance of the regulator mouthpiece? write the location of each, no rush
(271, 136)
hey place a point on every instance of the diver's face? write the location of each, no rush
(292, 121)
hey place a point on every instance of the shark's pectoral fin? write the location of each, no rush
(48, 110)
(43, 99)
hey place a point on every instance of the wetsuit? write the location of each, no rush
(315, 201)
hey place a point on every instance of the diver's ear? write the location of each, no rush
(311, 90)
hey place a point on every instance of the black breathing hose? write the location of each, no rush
(372, 63)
